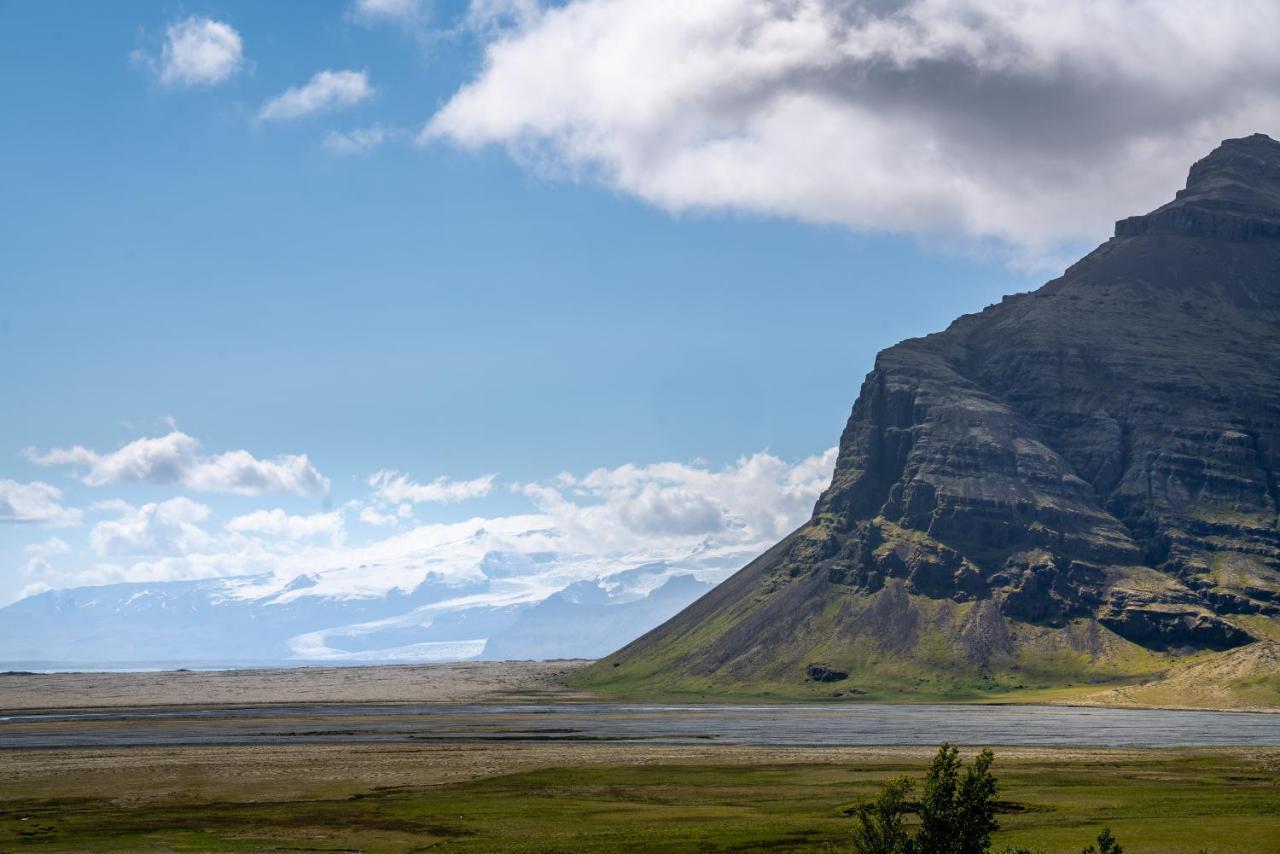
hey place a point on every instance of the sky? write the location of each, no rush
(286, 285)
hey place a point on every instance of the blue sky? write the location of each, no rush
(511, 293)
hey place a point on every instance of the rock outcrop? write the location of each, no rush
(1074, 484)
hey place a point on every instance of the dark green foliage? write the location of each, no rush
(879, 828)
(937, 805)
(976, 806)
(1106, 844)
(957, 816)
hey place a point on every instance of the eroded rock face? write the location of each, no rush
(1124, 415)
(1102, 454)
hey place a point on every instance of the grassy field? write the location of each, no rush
(1175, 801)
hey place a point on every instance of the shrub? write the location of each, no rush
(878, 827)
(1106, 844)
(957, 815)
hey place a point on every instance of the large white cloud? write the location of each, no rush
(175, 459)
(326, 90)
(1025, 121)
(158, 528)
(35, 502)
(199, 52)
(756, 500)
(707, 520)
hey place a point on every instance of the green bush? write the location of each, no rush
(957, 814)
(879, 828)
(1106, 844)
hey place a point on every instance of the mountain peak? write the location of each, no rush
(1233, 194)
(1243, 171)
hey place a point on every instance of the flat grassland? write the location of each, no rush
(559, 795)
(605, 797)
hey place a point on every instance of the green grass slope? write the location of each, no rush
(759, 634)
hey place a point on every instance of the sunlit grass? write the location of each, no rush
(1176, 801)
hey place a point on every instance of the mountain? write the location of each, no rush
(585, 621)
(512, 605)
(222, 619)
(1078, 485)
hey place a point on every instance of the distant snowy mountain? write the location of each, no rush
(510, 605)
(586, 620)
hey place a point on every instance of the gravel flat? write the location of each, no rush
(466, 682)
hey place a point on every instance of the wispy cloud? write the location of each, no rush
(175, 459)
(492, 16)
(278, 523)
(325, 91)
(371, 516)
(360, 140)
(1024, 122)
(401, 12)
(394, 487)
(40, 564)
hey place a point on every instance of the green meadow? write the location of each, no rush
(1171, 801)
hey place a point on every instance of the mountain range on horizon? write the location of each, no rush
(1076, 487)
(414, 616)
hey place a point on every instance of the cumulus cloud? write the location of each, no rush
(278, 523)
(197, 52)
(35, 502)
(158, 528)
(359, 140)
(175, 459)
(690, 516)
(327, 90)
(1026, 122)
(758, 499)
(394, 487)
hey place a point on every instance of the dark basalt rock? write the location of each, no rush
(823, 673)
(1102, 452)
(1127, 414)
(1233, 194)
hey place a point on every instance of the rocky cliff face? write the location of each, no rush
(1071, 484)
